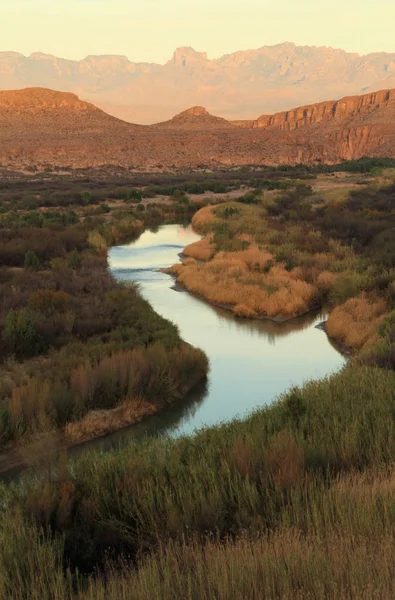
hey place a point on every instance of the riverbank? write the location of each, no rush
(95, 425)
(251, 361)
(89, 354)
(258, 266)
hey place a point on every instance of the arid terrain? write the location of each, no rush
(44, 128)
(234, 86)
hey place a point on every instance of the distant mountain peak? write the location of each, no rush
(40, 99)
(41, 56)
(236, 86)
(186, 54)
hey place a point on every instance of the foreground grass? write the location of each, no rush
(290, 501)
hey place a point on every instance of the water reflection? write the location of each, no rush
(252, 361)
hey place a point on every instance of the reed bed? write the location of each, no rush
(109, 392)
(356, 322)
(227, 280)
(201, 250)
(260, 266)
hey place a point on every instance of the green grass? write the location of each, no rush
(293, 485)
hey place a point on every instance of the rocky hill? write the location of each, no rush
(197, 118)
(40, 127)
(234, 86)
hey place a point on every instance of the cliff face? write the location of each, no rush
(346, 108)
(43, 127)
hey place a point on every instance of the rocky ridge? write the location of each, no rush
(44, 127)
(346, 108)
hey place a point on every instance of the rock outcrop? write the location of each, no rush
(196, 117)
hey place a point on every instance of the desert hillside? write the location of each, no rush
(45, 127)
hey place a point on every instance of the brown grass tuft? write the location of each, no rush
(227, 280)
(203, 218)
(284, 461)
(101, 422)
(201, 250)
(355, 322)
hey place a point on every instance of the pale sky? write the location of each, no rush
(150, 30)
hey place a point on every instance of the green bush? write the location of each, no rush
(20, 334)
(32, 261)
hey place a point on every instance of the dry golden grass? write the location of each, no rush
(189, 261)
(255, 258)
(229, 282)
(355, 322)
(201, 250)
(204, 217)
(101, 422)
(326, 281)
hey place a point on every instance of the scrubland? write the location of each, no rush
(81, 355)
(281, 256)
(294, 501)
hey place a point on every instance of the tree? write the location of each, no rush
(74, 259)
(20, 334)
(86, 198)
(32, 261)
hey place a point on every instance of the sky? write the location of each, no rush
(150, 30)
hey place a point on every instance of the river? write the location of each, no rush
(252, 361)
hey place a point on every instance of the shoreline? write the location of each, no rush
(11, 462)
(344, 349)
(17, 464)
(179, 287)
(229, 307)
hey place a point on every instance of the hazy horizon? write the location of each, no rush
(199, 50)
(150, 31)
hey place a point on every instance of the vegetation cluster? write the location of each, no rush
(81, 354)
(278, 256)
(295, 501)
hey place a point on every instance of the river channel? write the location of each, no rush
(251, 361)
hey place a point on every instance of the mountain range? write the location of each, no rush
(235, 86)
(42, 127)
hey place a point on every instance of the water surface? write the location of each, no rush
(252, 361)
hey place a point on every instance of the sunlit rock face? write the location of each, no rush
(41, 127)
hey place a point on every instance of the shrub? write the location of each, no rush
(74, 259)
(32, 261)
(20, 334)
(49, 301)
